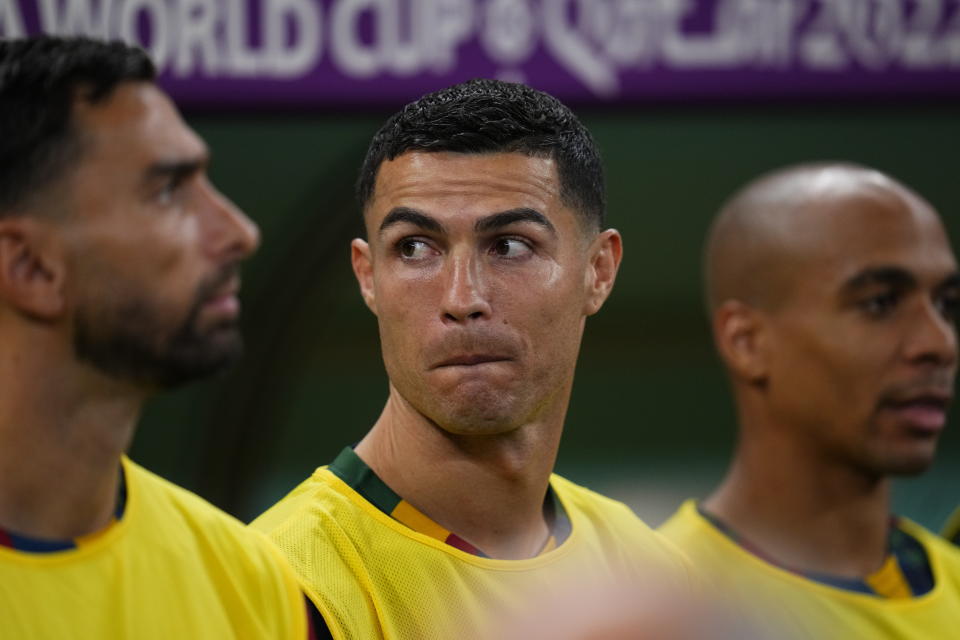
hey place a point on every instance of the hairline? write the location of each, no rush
(590, 224)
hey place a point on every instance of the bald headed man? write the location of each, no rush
(832, 291)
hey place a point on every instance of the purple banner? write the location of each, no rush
(315, 53)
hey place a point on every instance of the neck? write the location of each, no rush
(488, 489)
(806, 512)
(62, 433)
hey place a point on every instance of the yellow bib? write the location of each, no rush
(814, 610)
(372, 577)
(173, 567)
(951, 531)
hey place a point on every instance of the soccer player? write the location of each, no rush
(118, 278)
(833, 291)
(485, 253)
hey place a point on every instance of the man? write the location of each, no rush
(833, 292)
(483, 205)
(118, 278)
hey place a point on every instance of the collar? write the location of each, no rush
(361, 478)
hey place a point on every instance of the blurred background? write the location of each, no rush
(687, 100)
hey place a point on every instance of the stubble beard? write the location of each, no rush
(130, 338)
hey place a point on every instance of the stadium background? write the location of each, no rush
(650, 420)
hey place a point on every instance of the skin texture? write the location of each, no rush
(833, 291)
(481, 279)
(114, 236)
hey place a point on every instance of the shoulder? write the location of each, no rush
(160, 498)
(685, 525)
(611, 523)
(597, 508)
(941, 551)
(592, 503)
(324, 530)
(304, 507)
(198, 527)
(213, 543)
(708, 548)
(321, 527)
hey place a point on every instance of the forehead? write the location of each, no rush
(456, 185)
(836, 240)
(135, 126)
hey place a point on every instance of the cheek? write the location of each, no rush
(406, 310)
(177, 246)
(549, 310)
(829, 372)
(163, 255)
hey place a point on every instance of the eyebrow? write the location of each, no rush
(411, 216)
(952, 281)
(177, 169)
(487, 223)
(896, 277)
(512, 216)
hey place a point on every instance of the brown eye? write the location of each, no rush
(413, 249)
(510, 248)
(880, 305)
(949, 306)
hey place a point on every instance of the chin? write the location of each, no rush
(904, 463)
(187, 362)
(487, 416)
(477, 422)
(909, 467)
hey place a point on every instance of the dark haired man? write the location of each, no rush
(833, 294)
(118, 278)
(485, 253)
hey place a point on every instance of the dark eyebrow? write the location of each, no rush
(952, 281)
(896, 277)
(177, 169)
(505, 218)
(411, 216)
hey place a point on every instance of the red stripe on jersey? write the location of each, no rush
(456, 541)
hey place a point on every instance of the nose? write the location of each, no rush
(230, 233)
(933, 338)
(464, 296)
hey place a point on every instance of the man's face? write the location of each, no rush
(153, 247)
(864, 345)
(480, 278)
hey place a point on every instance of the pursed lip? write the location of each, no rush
(469, 360)
(934, 397)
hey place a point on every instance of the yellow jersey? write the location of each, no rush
(811, 609)
(951, 530)
(173, 566)
(371, 576)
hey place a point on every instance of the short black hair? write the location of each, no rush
(490, 116)
(40, 79)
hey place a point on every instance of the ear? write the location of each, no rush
(606, 250)
(31, 268)
(740, 334)
(363, 270)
